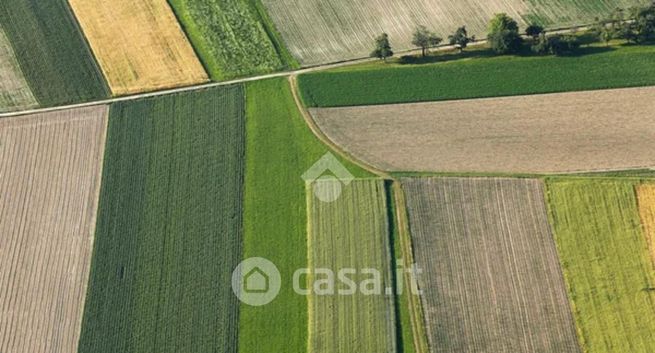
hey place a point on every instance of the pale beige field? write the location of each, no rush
(50, 167)
(318, 31)
(15, 94)
(646, 196)
(139, 44)
(567, 132)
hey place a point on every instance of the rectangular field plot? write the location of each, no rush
(52, 53)
(139, 44)
(15, 94)
(50, 168)
(611, 279)
(491, 277)
(169, 226)
(552, 133)
(229, 36)
(350, 233)
(318, 31)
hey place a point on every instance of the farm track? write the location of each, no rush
(308, 69)
(491, 276)
(50, 171)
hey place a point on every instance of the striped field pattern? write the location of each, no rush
(491, 277)
(646, 196)
(15, 93)
(350, 233)
(317, 31)
(49, 184)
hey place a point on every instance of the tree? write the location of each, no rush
(425, 39)
(534, 31)
(382, 47)
(460, 38)
(540, 45)
(504, 34)
(564, 44)
(644, 23)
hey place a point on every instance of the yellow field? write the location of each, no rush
(139, 44)
(646, 194)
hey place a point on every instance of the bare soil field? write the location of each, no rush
(50, 167)
(317, 31)
(491, 276)
(552, 133)
(139, 44)
(15, 93)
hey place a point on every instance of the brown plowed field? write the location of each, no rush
(49, 185)
(551, 133)
(491, 276)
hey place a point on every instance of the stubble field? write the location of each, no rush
(50, 168)
(351, 233)
(491, 278)
(139, 45)
(553, 133)
(646, 197)
(15, 93)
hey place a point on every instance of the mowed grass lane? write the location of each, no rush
(280, 148)
(52, 52)
(604, 255)
(479, 76)
(169, 227)
(231, 37)
(351, 233)
(491, 277)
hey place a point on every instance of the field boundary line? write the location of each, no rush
(288, 73)
(309, 120)
(417, 318)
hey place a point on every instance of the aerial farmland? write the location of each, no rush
(281, 176)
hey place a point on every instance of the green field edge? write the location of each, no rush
(276, 38)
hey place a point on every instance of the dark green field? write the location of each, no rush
(478, 74)
(233, 38)
(52, 52)
(169, 230)
(280, 148)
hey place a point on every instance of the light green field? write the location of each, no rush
(15, 93)
(610, 277)
(351, 233)
(280, 148)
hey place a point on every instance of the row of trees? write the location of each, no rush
(636, 25)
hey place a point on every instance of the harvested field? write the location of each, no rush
(605, 259)
(318, 32)
(351, 233)
(646, 197)
(52, 52)
(231, 37)
(50, 168)
(139, 44)
(491, 277)
(566, 132)
(15, 94)
(169, 226)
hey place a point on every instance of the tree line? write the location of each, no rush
(635, 25)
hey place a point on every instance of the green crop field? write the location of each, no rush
(52, 52)
(603, 251)
(15, 93)
(233, 37)
(480, 76)
(351, 233)
(169, 231)
(280, 148)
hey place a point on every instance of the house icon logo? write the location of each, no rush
(256, 281)
(327, 177)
